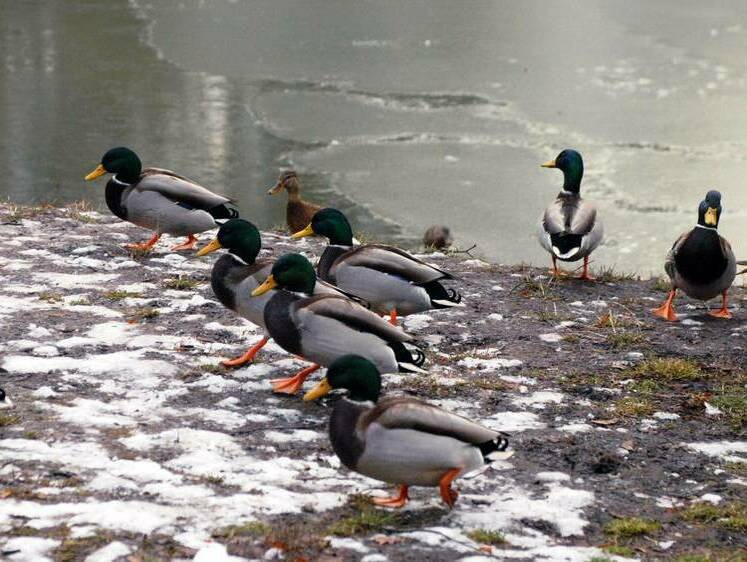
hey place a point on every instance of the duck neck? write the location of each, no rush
(572, 181)
(572, 174)
(328, 257)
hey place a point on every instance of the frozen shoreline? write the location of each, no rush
(126, 439)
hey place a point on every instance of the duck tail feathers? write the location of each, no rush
(410, 359)
(565, 246)
(225, 211)
(442, 297)
(489, 449)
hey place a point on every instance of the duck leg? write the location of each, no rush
(248, 356)
(145, 246)
(666, 310)
(293, 384)
(723, 312)
(556, 271)
(397, 501)
(188, 245)
(393, 317)
(585, 273)
(448, 494)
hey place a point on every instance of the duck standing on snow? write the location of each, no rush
(323, 328)
(298, 212)
(570, 230)
(701, 262)
(237, 273)
(391, 280)
(401, 440)
(159, 200)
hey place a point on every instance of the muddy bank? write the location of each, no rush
(129, 441)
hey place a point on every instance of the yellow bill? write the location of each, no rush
(214, 245)
(711, 216)
(99, 171)
(268, 285)
(550, 164)
(321, 389)
(308, 231)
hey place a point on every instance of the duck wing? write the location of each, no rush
(349, 313)
(179, 189)
(409, 413)
(569, 215)
(670, 264)
(391, 260)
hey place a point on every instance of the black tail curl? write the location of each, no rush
(498, 444)
(411, 355)
(438, 292)
(224, 212)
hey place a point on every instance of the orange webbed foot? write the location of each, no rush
(292, 385)
(720, 313)
(448, 494)
(247, 357)
(188, 245)
(144, 246)
(397, 501)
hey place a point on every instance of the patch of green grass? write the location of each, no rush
(735, 523)
(739, 468)
(627, 527)
(31, 435)
(668, 369)
(530, 286)
(49, 296)
(609, 275)
(619, 550)
(115, 295)
(74, 549)
(181, 283)
(251, 528)
(212, 368)
(79, 302)
(713, 556)
(625, 340)
(8, 419)
(732, 401)
(367, 520)
(600, 559)
(143, 313)
(645, 387)
(632, 406)
(706, 512)
(484, 536)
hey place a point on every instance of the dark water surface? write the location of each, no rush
(403, 114)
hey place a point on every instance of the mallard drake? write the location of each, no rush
(5, 401)
(701, 262)
(324, 327)
(391, 280)
(159, 200)
(237, 273)
(570, 229)
(400, 440)
(298, 212)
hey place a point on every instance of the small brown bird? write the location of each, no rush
(298, 213)
(438, 237)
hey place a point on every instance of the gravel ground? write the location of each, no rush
(129, 442)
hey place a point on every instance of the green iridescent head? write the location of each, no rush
(353, 373)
